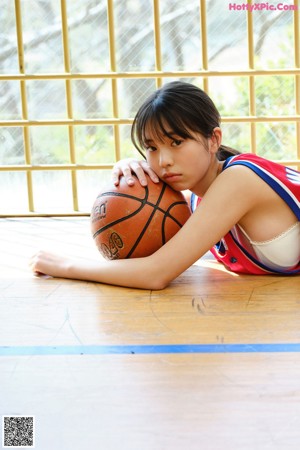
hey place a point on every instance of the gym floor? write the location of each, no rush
(212, 362)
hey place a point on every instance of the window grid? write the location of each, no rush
(113, 68)
(203, 38)
(67, 67)
(26, 137)
(252, 106)
(114, 75)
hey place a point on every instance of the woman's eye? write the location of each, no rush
(176, 142)
(150, 149)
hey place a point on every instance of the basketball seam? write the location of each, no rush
(168, 215)
(116, 194)
(144, 200)
(155, 207)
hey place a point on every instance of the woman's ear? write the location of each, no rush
(216, 139)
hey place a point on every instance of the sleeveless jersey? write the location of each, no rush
(286, 183)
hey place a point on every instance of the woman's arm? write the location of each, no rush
(229, 198)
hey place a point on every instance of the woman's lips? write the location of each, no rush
(171, 176)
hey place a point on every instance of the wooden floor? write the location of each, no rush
(108, 368)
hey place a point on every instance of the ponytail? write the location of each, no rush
(225, 152)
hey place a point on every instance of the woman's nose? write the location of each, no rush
(165, 158)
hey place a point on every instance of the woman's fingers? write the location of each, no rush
(146, 168)
(127, 173)
(128, 167)
(136, 168)
(115, 175)
(46, 263)
(122, 168)
(119, 172)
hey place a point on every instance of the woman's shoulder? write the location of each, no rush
(285, 181)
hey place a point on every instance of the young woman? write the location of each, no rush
(248, 216)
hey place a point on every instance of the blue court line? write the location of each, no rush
(147, 349)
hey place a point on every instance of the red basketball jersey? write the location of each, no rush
(284, 181)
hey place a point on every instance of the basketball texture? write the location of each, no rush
(135, 221)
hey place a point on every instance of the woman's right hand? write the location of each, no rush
(129, 166)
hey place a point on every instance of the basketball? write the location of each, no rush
(135, 221)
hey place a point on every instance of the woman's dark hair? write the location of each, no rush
(182, 108)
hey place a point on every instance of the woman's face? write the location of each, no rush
(182, 163)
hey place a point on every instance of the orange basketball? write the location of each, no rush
(135, 221)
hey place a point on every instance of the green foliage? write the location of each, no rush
(93, 145)
(274, 96)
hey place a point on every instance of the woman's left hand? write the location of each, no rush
(129, 166)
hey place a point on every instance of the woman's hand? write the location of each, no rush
(129, 166)
(45, 263)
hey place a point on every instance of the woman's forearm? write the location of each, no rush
(128, 273)
(137, 273)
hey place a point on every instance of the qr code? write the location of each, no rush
(18, 431)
